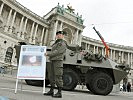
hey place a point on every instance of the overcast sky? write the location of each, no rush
(112, 18)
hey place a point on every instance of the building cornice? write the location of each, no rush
(111, 45)
(26, 10)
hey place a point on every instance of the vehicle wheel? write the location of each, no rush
(88, 87)
(37, 82)
(88, 79)
(101, 83)
(70, 79)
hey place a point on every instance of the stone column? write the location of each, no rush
(97, 49)
(76, 36)
(34, 38)
(103, 51)
(20, 27)
(131, 60)
(31, 33)
(111, 56)
(46, 36)
(25, 24)
(1, 8)
(86, 46)
(54, 32)
(71, 42)
(42, 35)
(122, 58)
(8, 20)
(13, 19)
(60, 29)
(128, 60)
(79, 39)
(114, 55)
(119, 56)
(94, 51)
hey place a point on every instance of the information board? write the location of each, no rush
(32, 63)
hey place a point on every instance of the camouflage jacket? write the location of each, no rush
(58, 50)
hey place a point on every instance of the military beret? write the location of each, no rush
(61, 32)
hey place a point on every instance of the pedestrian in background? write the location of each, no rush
(124, 87)
(55, 71)
(128, 87)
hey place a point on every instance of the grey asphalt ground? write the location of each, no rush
(7, 89)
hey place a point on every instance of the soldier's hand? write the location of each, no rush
(45, 54)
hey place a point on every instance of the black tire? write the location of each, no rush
(88, 85)
(37, 82)
(88, 79)
(101, 83)
(70, 79)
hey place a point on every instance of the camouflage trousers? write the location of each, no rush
(55, 73)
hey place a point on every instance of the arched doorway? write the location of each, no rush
(8, 56)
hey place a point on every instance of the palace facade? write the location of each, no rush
(19, 24)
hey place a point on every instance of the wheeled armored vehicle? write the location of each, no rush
(98, 73)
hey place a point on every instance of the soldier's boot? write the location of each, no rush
(50, 92)
(58, 94)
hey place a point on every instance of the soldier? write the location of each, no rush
(56, 57)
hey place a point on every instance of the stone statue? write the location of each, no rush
(70, 9)
(60, 9)
(79, 19)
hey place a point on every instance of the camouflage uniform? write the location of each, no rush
(56, 56)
